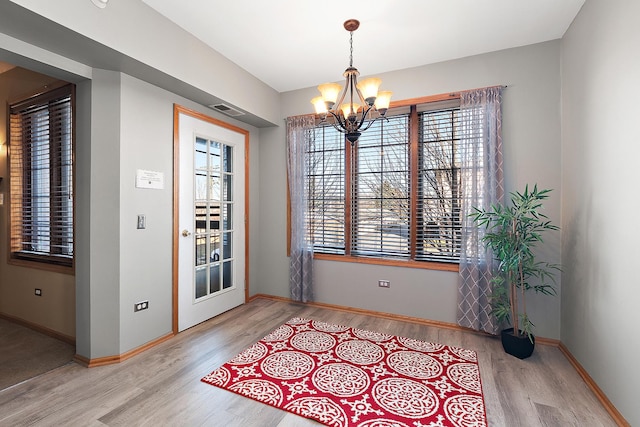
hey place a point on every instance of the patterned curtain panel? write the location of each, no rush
(482, 185)
(301, 256)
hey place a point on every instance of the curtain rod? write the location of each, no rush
(409, 101)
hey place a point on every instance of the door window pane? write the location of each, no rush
(214, 217)
(201, 154)
(201, 250)
(227, 158)
(228, 190)
(227, 215)
(227, 273)
(201, 282)
(201, 218)
(214, 187)
(226, 246)
(214, 285)
(214, 157)
(215, 248)
(200, 189)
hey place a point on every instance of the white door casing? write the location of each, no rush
(211, 218)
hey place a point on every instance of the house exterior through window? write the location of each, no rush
(394, 194)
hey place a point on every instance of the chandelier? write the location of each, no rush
(359, 105)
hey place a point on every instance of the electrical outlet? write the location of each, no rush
(142, 222)
(384, 283)
(38, 292)
(139, 306)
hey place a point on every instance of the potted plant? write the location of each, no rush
(512, 234)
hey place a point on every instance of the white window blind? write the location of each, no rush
(41, 177)
(326, 190)
(395, 193)
(381, 190)
(438, 195)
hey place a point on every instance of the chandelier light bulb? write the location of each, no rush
(330, 92)
(382, 101)
(320, 105)
(369, 89)
(349, 111)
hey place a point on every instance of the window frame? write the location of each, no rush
(413, 170)
(45, 261)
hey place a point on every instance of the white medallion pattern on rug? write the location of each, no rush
(383, 423)
(465, 375)
(319, 408)
(287, 365)
(350, 377)
(463, 353)
(250, 355)
(262, 390)
(328, 327)
(414, 364)
(405, 397)
(313, 341)
(341, 379)
(371, 336)
(360, 351)
(420, 345)
(465, 411)
(280, 334)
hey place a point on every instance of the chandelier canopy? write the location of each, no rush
(356, 107)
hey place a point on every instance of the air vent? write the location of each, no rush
(229, 111)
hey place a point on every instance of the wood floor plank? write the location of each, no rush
(162, 385)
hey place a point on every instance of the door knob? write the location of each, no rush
(186, 233)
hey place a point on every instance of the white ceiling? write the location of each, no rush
(293, 44)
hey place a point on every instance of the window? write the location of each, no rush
(395, 194)
(41, 177)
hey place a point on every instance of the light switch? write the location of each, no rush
(142, 222)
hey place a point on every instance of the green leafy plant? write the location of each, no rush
(512, 233)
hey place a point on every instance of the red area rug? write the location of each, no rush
(342, 376)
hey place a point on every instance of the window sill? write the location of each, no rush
(425, 265)
(40, 265)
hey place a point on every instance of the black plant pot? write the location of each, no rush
(517, 345)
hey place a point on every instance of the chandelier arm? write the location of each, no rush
(363, 118)
(352, 88)
(339, 129)
(341, 121)
(385, 118)
(342, 125)
(370, 123)
(342, 95)
(361, 96)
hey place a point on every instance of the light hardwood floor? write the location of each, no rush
(162, 385)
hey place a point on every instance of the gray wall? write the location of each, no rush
(600, 87)
(145, 257)
(531, 136)
(131, 128)
(99, 250)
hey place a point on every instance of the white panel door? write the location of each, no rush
(211, 264)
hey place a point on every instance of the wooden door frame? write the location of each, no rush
(177, 110)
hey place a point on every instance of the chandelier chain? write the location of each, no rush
(350, 49)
